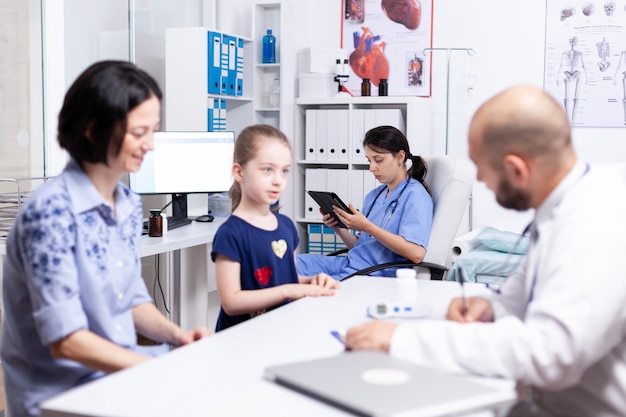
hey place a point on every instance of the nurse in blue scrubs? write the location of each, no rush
(397, 216)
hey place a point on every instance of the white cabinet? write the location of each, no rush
(187, 100)
(277, 16)
(328, 135)
(187, 58)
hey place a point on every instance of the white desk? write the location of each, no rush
(223, 375)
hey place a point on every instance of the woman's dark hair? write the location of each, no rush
(389, 139)
(96, 107)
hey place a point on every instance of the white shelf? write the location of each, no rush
(370, 100)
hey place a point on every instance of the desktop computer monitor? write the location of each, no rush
(186, 162)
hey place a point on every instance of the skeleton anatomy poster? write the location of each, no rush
(585, 60)
(386, 39)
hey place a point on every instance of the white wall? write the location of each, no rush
(508, 40)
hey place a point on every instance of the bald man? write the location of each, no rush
(558, 325)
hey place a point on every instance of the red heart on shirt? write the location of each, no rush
(263, 275)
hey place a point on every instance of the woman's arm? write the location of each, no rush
(95, 352)
(236, 301)
(150, 322)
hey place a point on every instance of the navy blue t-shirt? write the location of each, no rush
(266, 257)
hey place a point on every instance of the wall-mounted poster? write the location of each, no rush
(585, 60)
(385, 39)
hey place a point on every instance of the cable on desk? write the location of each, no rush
(157, 279)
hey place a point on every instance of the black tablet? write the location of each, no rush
(327, 200)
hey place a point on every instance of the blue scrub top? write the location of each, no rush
(412, 219)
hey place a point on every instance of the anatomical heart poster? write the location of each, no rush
(385, 39)
(585, 60)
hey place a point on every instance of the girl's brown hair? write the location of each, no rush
(246, 147)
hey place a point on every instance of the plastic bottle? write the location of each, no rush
(406, 287)
(382, 87)
(366, 87)
(155, 223)
(269, 48)
(273, 97)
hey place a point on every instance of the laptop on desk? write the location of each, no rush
(369, 383)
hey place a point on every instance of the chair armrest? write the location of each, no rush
(436, 271)
(338, 252)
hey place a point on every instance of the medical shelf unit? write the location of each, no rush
(187, 100)
(349, 117)
(186, 74)
(278, 16)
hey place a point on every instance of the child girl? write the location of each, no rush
(254, 250)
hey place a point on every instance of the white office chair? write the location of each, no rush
(450, 180)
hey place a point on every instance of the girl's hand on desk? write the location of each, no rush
(375, 335)
(478, 309)
(296, 291)
(324, 280)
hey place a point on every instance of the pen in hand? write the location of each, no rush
(463, 299)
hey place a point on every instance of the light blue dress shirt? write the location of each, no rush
(71, 264)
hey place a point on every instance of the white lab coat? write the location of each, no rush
(561, 318)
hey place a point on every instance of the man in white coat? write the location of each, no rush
(558, 325)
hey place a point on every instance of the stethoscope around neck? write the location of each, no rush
(393, 205)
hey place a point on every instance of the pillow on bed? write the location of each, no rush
(500, 241)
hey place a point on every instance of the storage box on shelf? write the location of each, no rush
(328, 146)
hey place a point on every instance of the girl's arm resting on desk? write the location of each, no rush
(322, 279)
(95, 352)
(236, 301)
(150, 322)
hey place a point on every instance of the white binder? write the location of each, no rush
(310, 135)
(322, 135)
(356, 147)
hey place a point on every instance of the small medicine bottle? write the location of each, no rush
(406, 286)
(366, 87)
(155, 223)
(383, 87)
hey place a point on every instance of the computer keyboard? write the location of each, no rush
(172, 223)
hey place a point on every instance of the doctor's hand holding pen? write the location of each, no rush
(467, 310)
